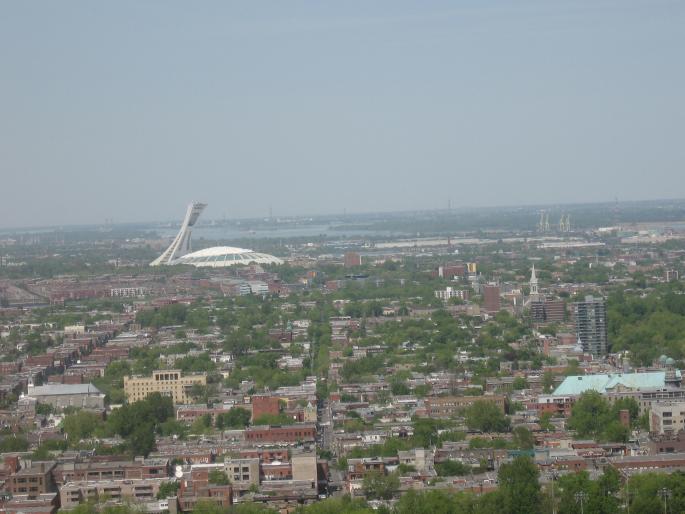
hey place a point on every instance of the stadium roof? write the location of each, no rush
(223, 256)
(607, 383)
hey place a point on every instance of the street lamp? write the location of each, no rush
(581, 497)
(665, 495)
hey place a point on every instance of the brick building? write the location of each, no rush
(491, 299)
(277, 434)
(449, 406)
(265, 405)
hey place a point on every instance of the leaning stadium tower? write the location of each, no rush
(181, 243)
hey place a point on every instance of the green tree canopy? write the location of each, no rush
(378, 486)
(519, 487)
(487, 417)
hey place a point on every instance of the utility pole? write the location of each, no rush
(665, 494)
(581, 497)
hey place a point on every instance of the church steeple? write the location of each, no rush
(533, 283)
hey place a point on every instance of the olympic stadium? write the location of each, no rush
(180, 250)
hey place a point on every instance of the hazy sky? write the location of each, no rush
(130, 109)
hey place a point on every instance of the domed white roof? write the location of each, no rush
(224, 256)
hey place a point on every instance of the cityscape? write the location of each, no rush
(342, 257)
(374, 372)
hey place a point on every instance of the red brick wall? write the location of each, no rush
(264, 405)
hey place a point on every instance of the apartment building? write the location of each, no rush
(166, 382)
(450, 406)
(667, 418)
(136, 490)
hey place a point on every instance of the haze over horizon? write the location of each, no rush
(129, 110)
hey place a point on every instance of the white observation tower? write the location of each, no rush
(180, 246)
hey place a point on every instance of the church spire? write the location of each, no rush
(533, 283)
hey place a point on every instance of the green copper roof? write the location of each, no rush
(577, 384)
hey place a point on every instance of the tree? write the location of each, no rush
(519, 383)
(486, 416)
(44, 409)
(547, 382)
(601, 493)
(218, 477)
(436, 502)
(205, 506)
(167, 489)
(142, 440)
(644, 490)
(237, 417)
(43, 452)
(274, 419)
(452, 468)
(14, 444)
(589, 414)
(519, 487)
(202, 425)
(545, 423)
(378, 486)
(523, 438)
(81, 425)
(592, 417)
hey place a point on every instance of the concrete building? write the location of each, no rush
(242, 472)
(166, 382)
(60, 396)
(117, 491)
(304, 467)
(450, 292)
(421, 459)
(667, 418)
(111, 470)
(591, 325)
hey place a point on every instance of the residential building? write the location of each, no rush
(450, 292)
(166, 382)
(548, 311)
(135, 490)
(450, 406)
(33, 480)
(243, 472)
(265, 405)
(667, 418)
(591, 325)
(491, 298)
(274, 434)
